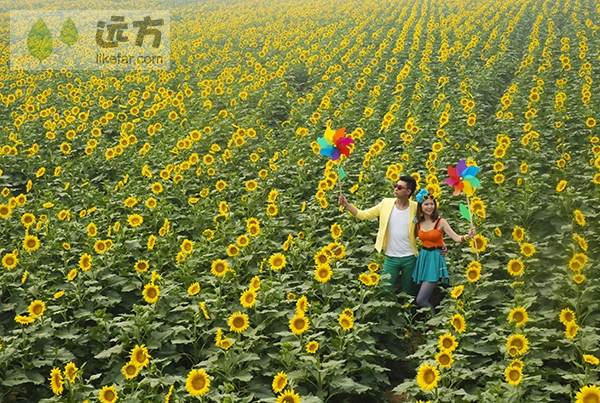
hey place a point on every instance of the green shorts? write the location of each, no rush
(400, 270)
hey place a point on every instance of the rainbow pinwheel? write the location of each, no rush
(334, 143)
(462, 178)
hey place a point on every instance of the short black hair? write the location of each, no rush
(410, 182)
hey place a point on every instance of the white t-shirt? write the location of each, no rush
(398, 243)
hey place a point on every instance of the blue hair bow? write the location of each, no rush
(423, 193)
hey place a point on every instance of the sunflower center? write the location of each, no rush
(514, 375)
(447, 343)
(518, 316)
(109, 395)
(130, 369)
(198, 382)
(518, 343)
(299, 323)
(591, 398)
(429, 376)
(238, 322)
(37, 309)
(151, 292)
(444, 359)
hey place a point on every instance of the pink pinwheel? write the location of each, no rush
(462, 178)
(334, 143)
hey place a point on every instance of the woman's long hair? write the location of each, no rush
(420, 215)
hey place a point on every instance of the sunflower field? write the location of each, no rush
(175, 235)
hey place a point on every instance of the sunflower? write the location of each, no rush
(225, 344)
(336, 231)
(561, 185)
(518, 233)
(458, 322)
(289, 396)
(444, 359)
(588, 394)
(100, 247)
(473, 274)
(591, 359)
(571, 330)
(515, 267)
(193, 289)
(187, 246)
(242, 241)
(108, 394)
(248, 298)
(323, 273)
(517, 345)
(31, 243)
(156, 188)
(427, 377)
(255, 283)
(277, 261)
(253, 229)
(232, 250)
(27, 219)
(197, 382)
(280, 381)
(321, 257)
(24, 320)
(272, 210)
(590, 122)
(36, 308)
(579, 278)
(312, 347)
(56, 381)
(238, 322)
(299, 324)
(346, 322)
(219, 267)
(447, 342)
(478, 243)
(140, 355)
(135, 220)
(9, 261)
(130, 370)
(71, 371)
(518, 316)
(141, 266)
(513, 375)
(457, 291)
(85, 262)
(528, 249)
(567, 316)
(151, 293)
(302, 304)
(499, 179)
(5, 211)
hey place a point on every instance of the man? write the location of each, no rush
(396, 235)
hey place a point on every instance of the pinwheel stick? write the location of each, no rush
(471, 219)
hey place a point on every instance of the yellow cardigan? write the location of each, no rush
(383, 210)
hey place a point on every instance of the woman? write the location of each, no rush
(430, 229)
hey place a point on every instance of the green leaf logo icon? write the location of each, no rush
(39, 40)
(68, 32)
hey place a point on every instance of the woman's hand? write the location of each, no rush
(471, 232)
(343, 201)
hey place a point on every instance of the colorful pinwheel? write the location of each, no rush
(334, 143)
(462, 178)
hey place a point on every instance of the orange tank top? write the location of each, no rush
(433, 238)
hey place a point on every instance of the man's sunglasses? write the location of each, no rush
(400, 187)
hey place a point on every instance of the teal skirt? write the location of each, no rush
(431, 267)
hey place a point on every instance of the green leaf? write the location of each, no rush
(39, 40)
(107, 353)
(68, 32)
